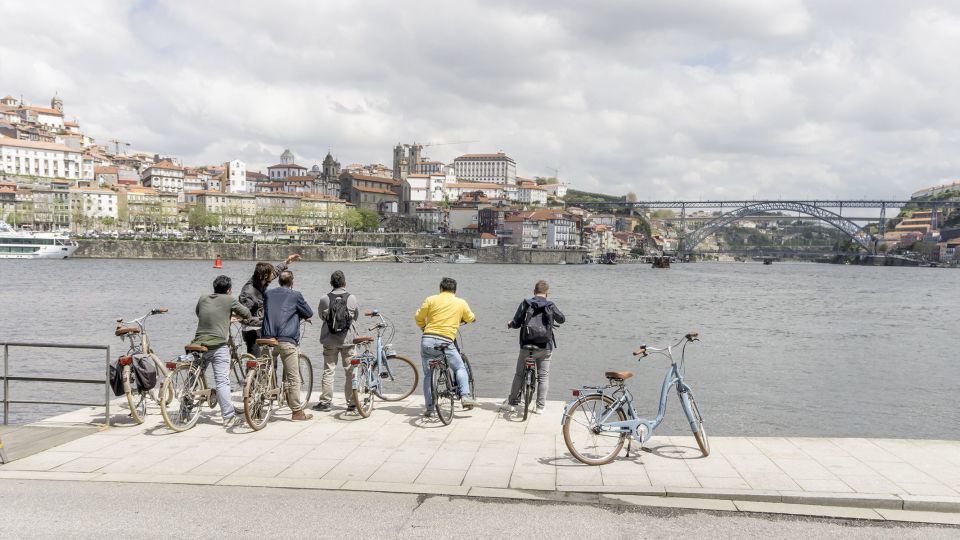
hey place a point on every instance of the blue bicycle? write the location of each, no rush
(380, 372)
(600, 419)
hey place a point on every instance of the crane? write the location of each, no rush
(556, 172)
(116, 146)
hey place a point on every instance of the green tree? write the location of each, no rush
(361, 219)
(199, 218)
(631, 197)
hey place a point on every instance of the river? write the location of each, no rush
(786, 350)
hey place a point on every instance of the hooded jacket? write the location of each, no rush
(537, 302)
(252, 297)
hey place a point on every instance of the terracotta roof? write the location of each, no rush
(251, 175)
(165, 164)
(286, 166)
(105, 170)
(380, 179)
(71, 124)
(488, 236)
(44, 110)
(484, 156)
(374, 190)
(474, 185)
(9, 141)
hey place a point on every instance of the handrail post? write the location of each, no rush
(106, 389)
(6, 384)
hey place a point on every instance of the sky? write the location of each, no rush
(665, 98)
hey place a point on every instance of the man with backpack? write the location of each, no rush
(338, 309)
(535, 318)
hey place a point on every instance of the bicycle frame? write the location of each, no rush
(144, 338)
(640, 429)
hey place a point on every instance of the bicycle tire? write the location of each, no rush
(701, 434)
(136, 400)
(529, 390)
(363, 396)
(306, 378)
(589, 456)
(238, 375)
(257, 407)
(473, 390)
(182, 411)
(443, 395)
(397, 369)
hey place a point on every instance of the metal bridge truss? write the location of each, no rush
(851, 229)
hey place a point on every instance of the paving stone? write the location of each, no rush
(441, 477)
(485, 476)
(670, 502)
(808, 510)
(725, 493)
(859, 500)
(931, 503)
(920, 517)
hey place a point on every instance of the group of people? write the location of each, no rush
(277, 312)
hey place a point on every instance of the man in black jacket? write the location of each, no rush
(251, 296)
(535, 317)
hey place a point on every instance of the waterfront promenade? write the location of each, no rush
(485, 453)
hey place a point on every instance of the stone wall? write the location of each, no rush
(514, 255)
(140, 249)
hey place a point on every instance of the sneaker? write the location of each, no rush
(351, 407)
(468, 402)
(233, 421)
(428, 413)
(538, 410)
(322, 407)
(506, 406)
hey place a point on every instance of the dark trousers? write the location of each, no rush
(250, 337)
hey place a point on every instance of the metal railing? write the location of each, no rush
(7, 378)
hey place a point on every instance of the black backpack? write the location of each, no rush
(338, 316)
(537, 325)
(144, 372)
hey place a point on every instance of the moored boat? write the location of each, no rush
(30, 245)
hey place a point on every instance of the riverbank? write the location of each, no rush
(489, 454)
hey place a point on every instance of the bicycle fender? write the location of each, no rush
(584, 392)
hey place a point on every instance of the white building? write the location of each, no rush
(486, 168)
(556, 190)
(34, 158)
(458, 189)
(531, 194)
(93, 204)
(484, 240)
(286, 168)
(164, 176)
(236, 176)
(428, 187)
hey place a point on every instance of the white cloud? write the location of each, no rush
(670, 98)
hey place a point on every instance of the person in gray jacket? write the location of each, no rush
(337, 345)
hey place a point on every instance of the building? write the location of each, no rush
(937, 190)
(165, 177)
(93, 207)
(234, 211)
(531, 193)
(286, 168)
(382, 195)
(432, 218)
(463, 218)
(458, 190)
(557, 190)
(486, 168)
(236, 176)
(329, 184)
(484, 240)
(425, 188)
(372, 169)
(521, 231)
(39, 159)
(147, 209)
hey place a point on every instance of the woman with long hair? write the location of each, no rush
(251, 296)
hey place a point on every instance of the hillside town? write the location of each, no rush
(55, 177)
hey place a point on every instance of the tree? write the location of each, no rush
(631, 197)
(361, 219)
(199, 218)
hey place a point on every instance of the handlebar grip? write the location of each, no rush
(371, 313)
(161, 310)
(642, 351)
(372, 328)
(692, 336)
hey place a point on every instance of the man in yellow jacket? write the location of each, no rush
(439, 317)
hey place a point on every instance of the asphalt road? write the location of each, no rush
(43, 509)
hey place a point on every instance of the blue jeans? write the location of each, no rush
(219, 358)
(427, 352)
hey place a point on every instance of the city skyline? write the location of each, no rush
(744, 99)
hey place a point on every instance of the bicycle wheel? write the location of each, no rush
(182, 411)
(306, 378)
(136, 400)
(161, 368)
(443, 394)
(466, 362)
(529, 391)
(581, 431)
(696, 423)
(238, 376)
(398, 378)
(257, 403)
(362, 396)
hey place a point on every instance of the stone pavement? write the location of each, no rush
(488, 453)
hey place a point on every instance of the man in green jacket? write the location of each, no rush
(213, 331)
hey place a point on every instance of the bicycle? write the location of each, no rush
(135, 332)
(263, 390)
(185, 391)
(595, 419)
(240, 360)
(529, 379)
(443, 383)
(381, 373)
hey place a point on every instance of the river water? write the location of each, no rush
(786, 350)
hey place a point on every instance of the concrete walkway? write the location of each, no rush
(487, 453)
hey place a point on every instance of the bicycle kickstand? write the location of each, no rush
(629, 446)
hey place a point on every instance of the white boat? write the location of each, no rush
(460, 258)
(30, 245)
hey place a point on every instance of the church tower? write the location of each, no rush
(56, 103)
(286, 158)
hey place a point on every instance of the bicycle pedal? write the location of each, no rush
(645, 449)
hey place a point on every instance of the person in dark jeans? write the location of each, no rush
(251, 296)
(549, 314)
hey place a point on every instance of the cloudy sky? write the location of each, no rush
(667, 98)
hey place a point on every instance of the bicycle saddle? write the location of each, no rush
(362, 339)
(124, 330)
(272, 342)
(195, 348)
(531, 347)
(618, 375)
(442, 346)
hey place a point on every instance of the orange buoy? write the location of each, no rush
(218, 263)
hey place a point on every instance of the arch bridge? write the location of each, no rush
(822, 210)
